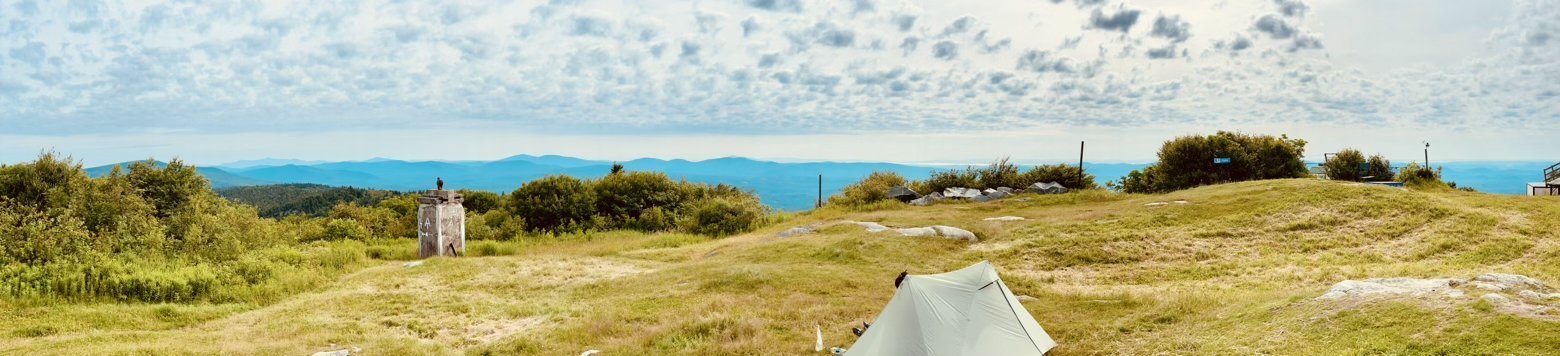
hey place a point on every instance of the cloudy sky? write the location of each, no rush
(891, 80)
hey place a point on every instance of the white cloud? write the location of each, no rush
(752, 66)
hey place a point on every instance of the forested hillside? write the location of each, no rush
(279, 200)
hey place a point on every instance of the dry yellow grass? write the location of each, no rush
(1232, 271)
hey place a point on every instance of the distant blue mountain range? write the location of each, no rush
(785, 186)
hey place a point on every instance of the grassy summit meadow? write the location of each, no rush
(1231, 269)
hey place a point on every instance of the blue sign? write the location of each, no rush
(1221, 160)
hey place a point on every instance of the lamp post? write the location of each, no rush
(1427, 154)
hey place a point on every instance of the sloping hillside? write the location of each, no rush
(280, 200)
(1231, 269)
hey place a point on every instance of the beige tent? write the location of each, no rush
(964, 312)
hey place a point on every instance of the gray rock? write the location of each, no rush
(1047, 188)
(997, 194)
(903, 194)
(870, 226)
(1529, 294)
(1510, 281)
(333, 353)
(1387, 286)
(412, 264)
(1005, 190)
(797, 231)
(1026, 298)
(960, 193)
(927, 199)
(955, 233)
(981, 199)
(917, 232)
(1494, 298)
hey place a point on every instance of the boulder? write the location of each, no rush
(997, 194)
(903, 194)
(955, 233)
(1529, 294)
(917, 232)
(981, 198)
(1495, 298)
(960, 193)
(1047, 188)
(927, 199)
(1005, 190)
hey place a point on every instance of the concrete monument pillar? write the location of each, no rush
(441, 223)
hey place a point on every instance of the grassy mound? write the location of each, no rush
(1235, 269)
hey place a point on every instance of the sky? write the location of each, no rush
(857, 80)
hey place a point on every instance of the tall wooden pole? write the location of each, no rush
(1080, 165)
(820, 190)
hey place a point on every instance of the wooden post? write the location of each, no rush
(1080, 165)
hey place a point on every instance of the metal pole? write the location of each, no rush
(820, 190)
(1427, 154)
(1080, 165)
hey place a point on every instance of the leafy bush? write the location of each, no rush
(723, 216)
(478, 201)
(1344, 165)
(1351, 165)
(1417, 176)
(874, 188)
(1063, 174)
(623, 196)
(942, 180)
(1187, 162)
(554, 204)
(999, 174)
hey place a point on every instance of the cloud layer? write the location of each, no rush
(739, 66)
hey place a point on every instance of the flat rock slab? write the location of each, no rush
(1389, 286)
(870, 226)
(798, 231)
(1006, 218)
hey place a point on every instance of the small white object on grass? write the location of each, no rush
(819, 330)
(590, 352)
(412, 264)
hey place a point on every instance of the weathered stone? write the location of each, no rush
(870, 226)
(903, 194)
(997, 194)
(1495, 298)
(1005, 218)
(1005, 190)
(981, 199)
(955, 233)
(797, 231)
(1530, 294)
(1026, 298)
(412, 264)
(917, 232)
(960, 193)
(1047, 188)
(926, 200)
(1510, 281)
(1388, 286)
(333, 353)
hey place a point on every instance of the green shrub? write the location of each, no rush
(477, 201)
(999, 174)
(723, 216)
(1378, 168)
(1416, 176)
(1066, 175)
(554, 204)
(872, 189)
(1187, 162)
(942, 180)
(1345, 165)
(622, 197)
